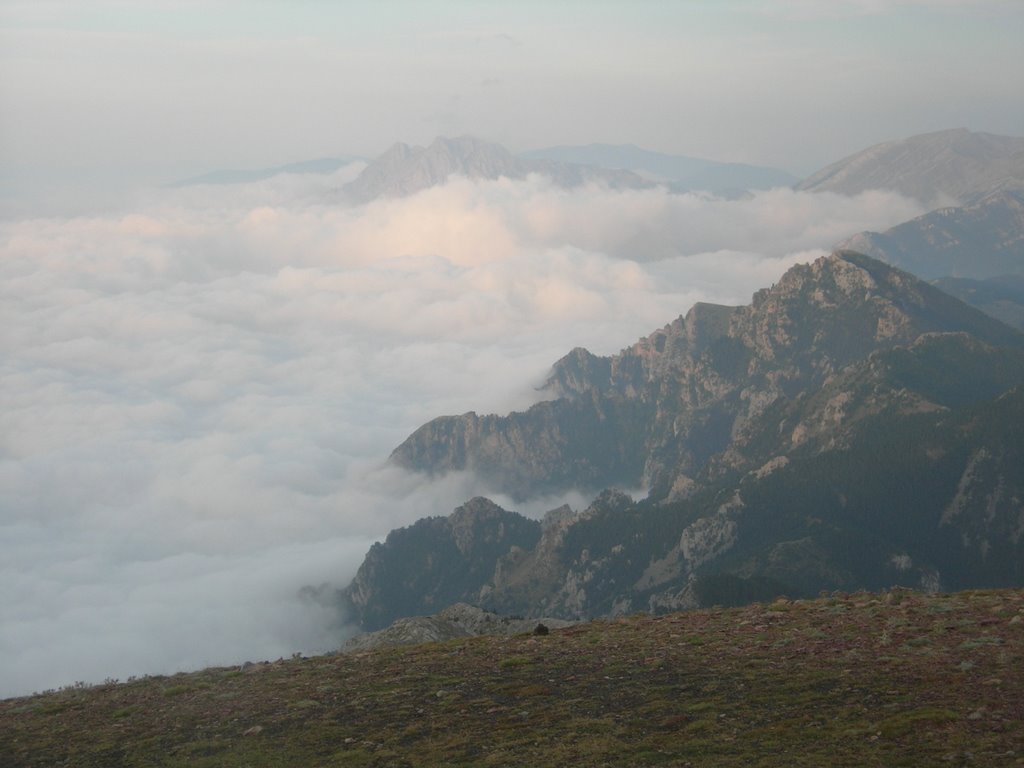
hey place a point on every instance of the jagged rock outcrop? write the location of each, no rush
(956, 166)
(869, 436)
(902, 470)
(458, 620)
(655, 413)
(977, 241)
(434, 563)
(404, 170)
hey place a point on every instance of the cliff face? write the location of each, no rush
(853, 427)
(894, 473)
(655, 413)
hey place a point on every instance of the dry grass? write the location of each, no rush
(853, 680)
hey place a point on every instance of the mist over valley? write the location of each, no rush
(243, 261)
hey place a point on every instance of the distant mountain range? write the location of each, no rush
(976, 252)
(976, 241)
(404, 170)
(953, 166)
(853, 427)
(326, 165)
(679, 172)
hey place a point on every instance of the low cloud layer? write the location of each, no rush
(199, 394)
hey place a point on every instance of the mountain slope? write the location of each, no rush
(405, 170)
(906, 469)
(458, 620)
(1000, 297)
(849, 680)
(680, 172)
(656, 412)
(854, 427)
(435, 562)
(947, 165)
(977, 241)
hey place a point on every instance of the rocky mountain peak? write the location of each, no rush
(478, 521)
(655, 413)
(853, 427)
(435, 562)
(404, 170)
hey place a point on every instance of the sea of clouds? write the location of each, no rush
(199, 392)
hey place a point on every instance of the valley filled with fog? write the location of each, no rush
(202, 389)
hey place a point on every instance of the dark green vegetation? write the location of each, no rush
(433, 563)
(894, 679)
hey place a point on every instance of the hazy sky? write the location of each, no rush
(164, 89)
(200, 386)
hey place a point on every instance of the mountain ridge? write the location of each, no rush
(938, 168)
(404, 170)
(852, 428)
(680, 172)
(663, 405)
(976, 241)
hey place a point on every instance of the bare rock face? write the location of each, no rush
(654, 414)
(955, 165)
(853, 427)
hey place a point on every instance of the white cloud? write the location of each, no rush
(199, 394)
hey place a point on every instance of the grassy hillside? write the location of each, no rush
(892, 679)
